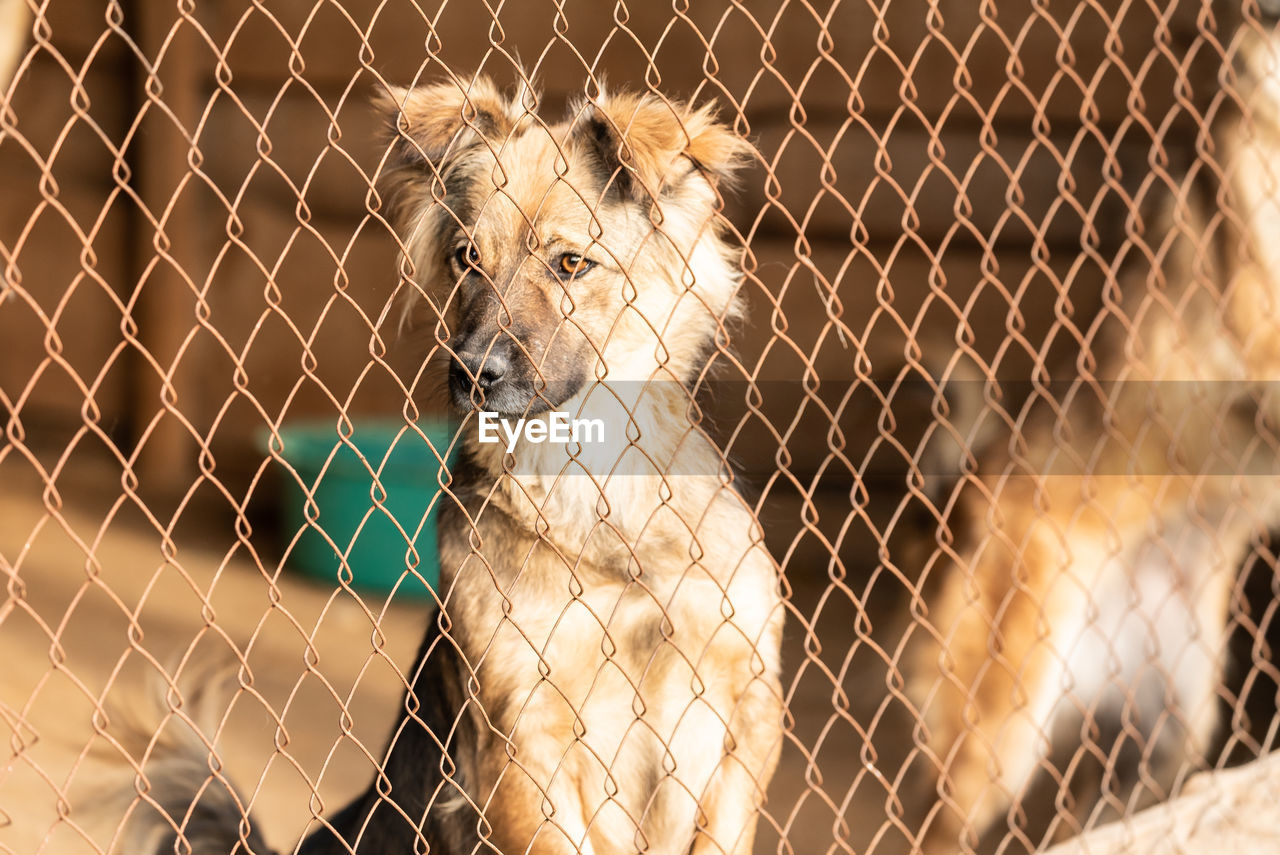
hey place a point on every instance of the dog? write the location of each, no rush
(606, 658)
(1080, 612)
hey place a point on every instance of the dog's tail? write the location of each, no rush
(185, 802)
(416, 802)
(190, 810)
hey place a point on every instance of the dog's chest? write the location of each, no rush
(532, 615)
(562, 639)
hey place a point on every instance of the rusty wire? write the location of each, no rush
(958, 225)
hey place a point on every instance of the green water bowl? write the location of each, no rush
(371, 521)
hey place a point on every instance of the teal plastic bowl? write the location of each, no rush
(377, 535)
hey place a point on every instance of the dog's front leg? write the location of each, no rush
(534, 807)
(730, 806)
(533, 824)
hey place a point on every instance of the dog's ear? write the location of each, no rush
(435, 121)
(642, 142)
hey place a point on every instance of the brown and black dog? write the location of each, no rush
(615, 598)
(609, 679)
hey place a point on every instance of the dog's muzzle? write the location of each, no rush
(488, 380)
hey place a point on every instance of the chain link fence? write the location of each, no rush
(988, 384)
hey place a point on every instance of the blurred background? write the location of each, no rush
(194, 256)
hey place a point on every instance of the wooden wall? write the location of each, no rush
(186, 196)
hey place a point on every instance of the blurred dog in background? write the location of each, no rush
(1085, 599)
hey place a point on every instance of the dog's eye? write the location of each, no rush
(467, 256)
(572, 264)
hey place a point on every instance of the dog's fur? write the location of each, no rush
(617, 619)
(1087, 596)
(15, 18)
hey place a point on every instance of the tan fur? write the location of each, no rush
(434, 117)
(618, 605)
(15, 30)
(1095, 579)
(656, 133)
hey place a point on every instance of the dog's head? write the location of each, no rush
(557, 255)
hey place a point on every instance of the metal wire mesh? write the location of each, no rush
(998, 400)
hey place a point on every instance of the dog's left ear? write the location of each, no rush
(645, 142)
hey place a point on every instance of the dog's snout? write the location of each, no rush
(482, 377)
(486, 369)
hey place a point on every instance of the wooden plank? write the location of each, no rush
(168, 268)
(280, 151)
(65, 235)
(15, 29)
(1232, 810)
(886, 305)
(75, 130)
(296, 308)
(938, 186)
(77, 29)
(60, 320)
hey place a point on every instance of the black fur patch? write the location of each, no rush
(603, 147)
(412, 780)
(462, 209)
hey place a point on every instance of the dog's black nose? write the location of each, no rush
(485, 369)
(486, 377)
